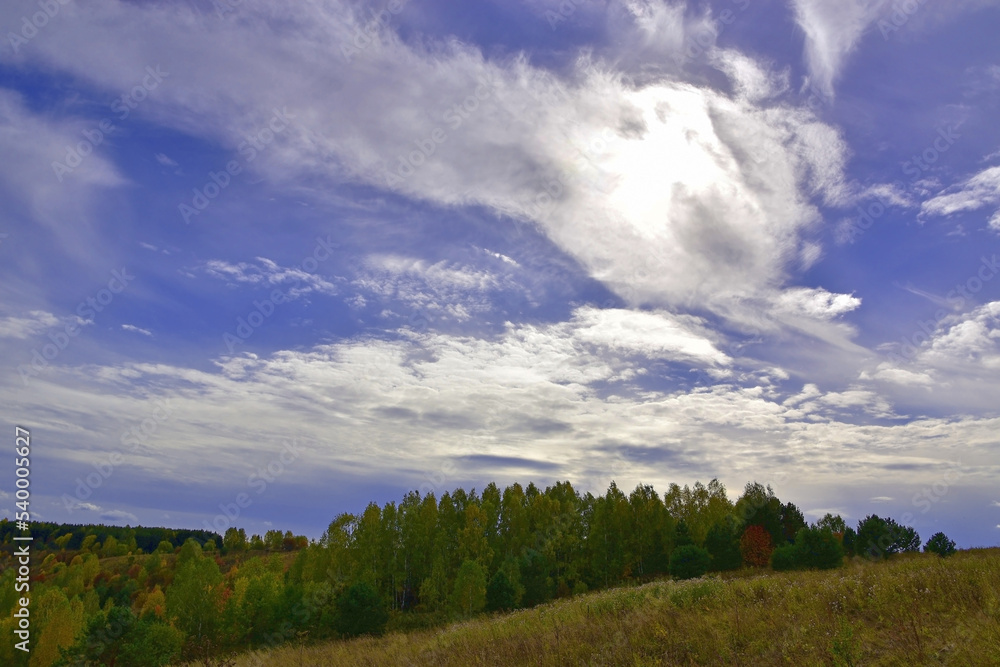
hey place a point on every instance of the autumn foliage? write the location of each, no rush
(756, 547)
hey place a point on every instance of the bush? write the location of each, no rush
(785, 557)
(360, 611)
(819, 548)
(689, 561)
(940, 544)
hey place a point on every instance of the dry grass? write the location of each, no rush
(914, 610)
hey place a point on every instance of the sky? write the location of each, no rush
(265, 261)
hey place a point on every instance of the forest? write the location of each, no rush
(153, 596)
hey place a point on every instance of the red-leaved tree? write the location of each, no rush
(755, 546)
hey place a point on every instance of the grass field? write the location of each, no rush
(913, 610)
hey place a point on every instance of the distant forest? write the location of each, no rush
(150, 596)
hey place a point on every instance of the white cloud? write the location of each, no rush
(954, 367)
(32, 189)
(266, 273)
(833, 29)
(889, 373)
(36, 322)
(87, 507)
(650, 334)
(138, 330)
(978, 191)
(721, 218)
(442, 289)
(817, 303)
(965, 341)
(165, 160)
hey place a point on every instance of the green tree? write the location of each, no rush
(849, 541)
(940, 544)
(818, 548)
(759, 506)
(117, 637)
(273, 540)
(722, 542)
(689, 561)
(905, 539)
(682, 535)
(151, 643)
(360, 611)
(649, 520)
(469, 592)
(876, 537)
(190, 551)
(500, 593)
(835, 523)
(193, 599)
(235, 539)
(792, 521)
(101, 640)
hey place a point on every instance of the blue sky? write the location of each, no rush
(321, 253)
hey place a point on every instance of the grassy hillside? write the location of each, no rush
(913, 610)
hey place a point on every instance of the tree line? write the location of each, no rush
(416, 563)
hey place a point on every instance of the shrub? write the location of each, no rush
(689, 561)
(940, 544)
(360, 611)
(819, 548)
(785, 557)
